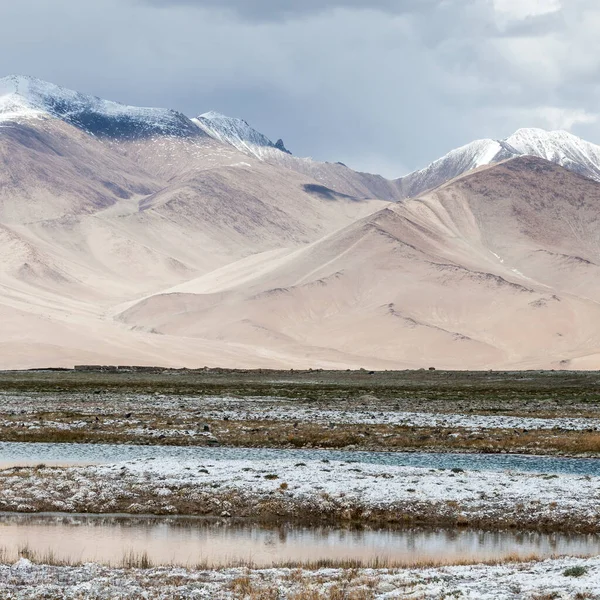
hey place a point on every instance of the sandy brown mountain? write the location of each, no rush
(496, 269)
(89, 223)
(132, 235)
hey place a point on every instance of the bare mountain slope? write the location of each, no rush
(109, 191)
(51, 169)
(479, 273)
(336, 176)
(94, 216)
(133, 235)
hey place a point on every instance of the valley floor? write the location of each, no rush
(534, 412)
(556, 413)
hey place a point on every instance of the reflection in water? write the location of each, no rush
(188, 541)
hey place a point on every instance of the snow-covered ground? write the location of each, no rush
(543, 580)
(266, 408)
(401, 418)
(338, 490)
(375, 485)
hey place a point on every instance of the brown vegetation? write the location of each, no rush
(129, 496)
(281, 434)
(170, 407)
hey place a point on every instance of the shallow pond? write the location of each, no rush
(23, 454)
(193, 542)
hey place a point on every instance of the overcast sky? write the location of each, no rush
(382, 85)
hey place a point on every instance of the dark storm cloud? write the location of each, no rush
(273, 10)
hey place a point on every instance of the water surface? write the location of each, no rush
(27, 454)
(192, 542)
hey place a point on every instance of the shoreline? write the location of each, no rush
(319, 493)
(552, 578)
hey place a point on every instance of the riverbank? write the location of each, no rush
(327, 492)
(574, 579)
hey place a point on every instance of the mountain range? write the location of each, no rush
(142, 236)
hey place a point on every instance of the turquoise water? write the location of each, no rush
(11, 453)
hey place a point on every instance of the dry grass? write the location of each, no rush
(242, 586)
(281, 434)
(98, 407)
(142, 497)
(298, 570)
(132, 560)
(486, 388)
(278, 434)
(48, 557)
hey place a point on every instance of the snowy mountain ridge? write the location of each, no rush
(559, 147)
(23, 97)
(239, 134)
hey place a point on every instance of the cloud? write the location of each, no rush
(275, 10)
(548, 117)
(523, 9)
(565, 118)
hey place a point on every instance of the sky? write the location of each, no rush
(384, 86)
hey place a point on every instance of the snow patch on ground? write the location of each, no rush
(258, 409)
(322, 485)
(547, 579)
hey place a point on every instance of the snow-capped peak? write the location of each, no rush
(542, 142)
(239, 134)
(471, 156)
(560, 147)
(213, 115)
(14, 101)
(23, 97)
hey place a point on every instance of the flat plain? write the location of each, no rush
(533, 412)
(227, 446)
